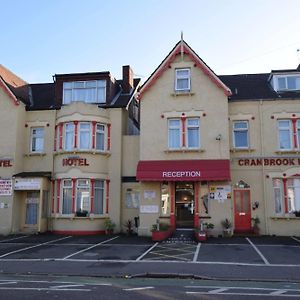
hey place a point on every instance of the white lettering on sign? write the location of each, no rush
(178, 174)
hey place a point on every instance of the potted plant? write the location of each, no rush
(227, 228)
(109, 226)
(160, 232)
(208, 228)
(201, 232)
(255, 227)
(81, 213)
(297, 213)
(129, 227)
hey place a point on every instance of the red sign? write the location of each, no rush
(5, 163)
(74, 162)
(269, 162)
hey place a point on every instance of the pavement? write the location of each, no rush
(237, 258)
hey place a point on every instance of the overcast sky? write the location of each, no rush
(40, 38)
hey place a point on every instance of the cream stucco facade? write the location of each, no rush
(181, 156)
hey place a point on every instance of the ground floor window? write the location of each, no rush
(83, 196)
(286, 195)
(32, 208)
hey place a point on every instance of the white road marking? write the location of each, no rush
(258, 252)
(218, 291)
(139, 288)
(243, 294)
(86, 249)
(277, 293)
(197, 252)
(294, 238)
(66, 286)
(146, 252)
(31, 247)
(45, 289)
(12, 239)
(9, 282)
(238, 288)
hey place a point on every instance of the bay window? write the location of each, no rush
(100, 134)
(99, 197)
(278, 195)
(69, 136)
(285, 134)
(293, 190)
(67, 187)
(240, 134)
(93, 91)
(84, 136)
(83, 195)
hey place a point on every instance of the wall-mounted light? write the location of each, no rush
(219, 137)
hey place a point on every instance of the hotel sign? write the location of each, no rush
(269, 162)
(5, 163)
(180, 174)
(75, 162)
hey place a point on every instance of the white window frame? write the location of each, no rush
(72, 131)
(86, 186)
(285, 77)
(178, 76)
(63, 187)
(292, 203)
(102, 189)
(187, 132)
(180, 133)
(280, 188)
(101, 132)
(234, 130)
(80, 131)
(99, 85)
(289, 128)
(37, 136)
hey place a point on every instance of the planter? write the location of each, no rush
(227, 232)
(109, 231)
(200, 236)
(158, 236)
(255, 230)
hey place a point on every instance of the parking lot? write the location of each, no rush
(256, 251)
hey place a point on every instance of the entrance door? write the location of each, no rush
(32, 209)
(184, 208)
(242, 210)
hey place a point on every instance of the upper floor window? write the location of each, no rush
(285, 134)
(241, 134)
(84, 136)
(69, 136)
(174, 133)
(100, 134)
(184, 133)
(193, 133)
(37, 139)
(287, 82)
(93, 91)
(183, 80)
(298, 132)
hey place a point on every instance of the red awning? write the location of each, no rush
(183, 170)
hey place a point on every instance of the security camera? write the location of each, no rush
(218, 138)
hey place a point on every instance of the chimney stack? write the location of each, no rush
(127, 79)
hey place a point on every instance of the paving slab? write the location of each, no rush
(229, 253)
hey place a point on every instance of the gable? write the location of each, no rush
(8, 92)
(182, 48)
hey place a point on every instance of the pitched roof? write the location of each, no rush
(183, 47)
(15, 84)
(254, 87)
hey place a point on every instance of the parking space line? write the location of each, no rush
(147, 251)
(31, 247)
(197, 252)
(258, 252)
(294, 238)
(139, 288)
(86, 249)
(16, 238)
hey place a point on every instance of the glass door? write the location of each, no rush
(32, 208)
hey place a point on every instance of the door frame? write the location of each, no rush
(242, 190)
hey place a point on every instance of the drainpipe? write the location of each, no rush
(262, 153)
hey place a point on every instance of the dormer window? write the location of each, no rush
(93, 91)
(287, 82)
(183, 80)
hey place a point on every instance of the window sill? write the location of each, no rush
(73, 217)
(288, 152)
(61, 152)
(183, 150)
(248, 150)
(287, 217)
(182, 93)
(35, 154)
